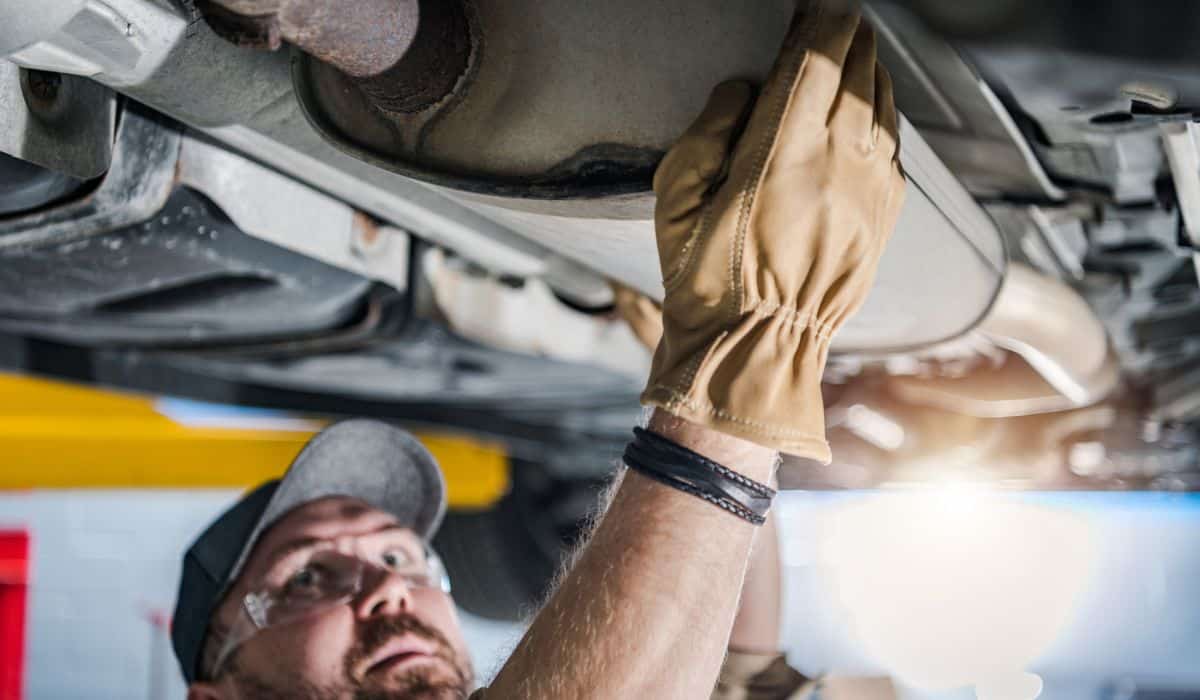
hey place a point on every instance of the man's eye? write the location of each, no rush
(398, 560)
(303, 581)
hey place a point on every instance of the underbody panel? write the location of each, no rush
(945, 249)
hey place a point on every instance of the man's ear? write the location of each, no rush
(203, 691)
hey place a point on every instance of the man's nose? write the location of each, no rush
(384, 593)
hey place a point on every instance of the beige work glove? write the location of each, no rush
(769, 237)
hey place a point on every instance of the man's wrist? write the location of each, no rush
(749, 459)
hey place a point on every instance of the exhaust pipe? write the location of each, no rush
(1063, 358)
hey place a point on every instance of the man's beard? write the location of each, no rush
(425, 682)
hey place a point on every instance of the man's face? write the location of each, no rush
(390, 641)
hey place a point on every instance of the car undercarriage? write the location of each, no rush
(228, 200)
(196, 192)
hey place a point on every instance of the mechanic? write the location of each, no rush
(772, 213)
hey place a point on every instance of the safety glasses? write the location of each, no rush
(325, 580)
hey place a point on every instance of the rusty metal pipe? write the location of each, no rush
(405, 55)
(436, 58)
(361, 38)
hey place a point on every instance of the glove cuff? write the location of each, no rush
(759, 380)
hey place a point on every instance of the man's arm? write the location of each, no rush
(647, 608)
(770, 218)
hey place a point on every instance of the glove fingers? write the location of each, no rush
(808, 72)
(800, 93)
(688, 171)
(853, 116)
(692, 167)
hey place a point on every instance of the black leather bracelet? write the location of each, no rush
(678, 467)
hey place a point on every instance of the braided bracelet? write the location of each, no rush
(678, 467)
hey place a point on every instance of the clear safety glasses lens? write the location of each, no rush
(328, 579)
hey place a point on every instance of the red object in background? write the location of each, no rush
(14, 583)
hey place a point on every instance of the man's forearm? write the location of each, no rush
(647, 608)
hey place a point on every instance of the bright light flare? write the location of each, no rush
(1015, 686)
(955, 585)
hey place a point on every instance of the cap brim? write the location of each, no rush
(377, 463)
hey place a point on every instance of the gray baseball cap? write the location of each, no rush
(370, 460)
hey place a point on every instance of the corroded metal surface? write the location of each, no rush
(433, 63)
(560, 100)
(362, 38)
(60, 122)
(403, 56)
